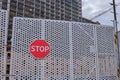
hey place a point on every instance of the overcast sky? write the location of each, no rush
(92, 8)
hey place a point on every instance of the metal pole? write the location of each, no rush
(114, 9)
(116, 29)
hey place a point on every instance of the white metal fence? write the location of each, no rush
(3, 38)
(78, 51)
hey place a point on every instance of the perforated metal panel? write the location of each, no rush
(106, 53)
(76, 51)
(57, 65)
(3, 34)
(84, 54)
(23, 65)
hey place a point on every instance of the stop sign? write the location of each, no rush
(39, 49)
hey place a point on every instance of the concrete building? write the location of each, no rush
(79, 51)
(49, 9)
(0, 4)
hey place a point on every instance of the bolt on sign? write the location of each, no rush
(39, 49)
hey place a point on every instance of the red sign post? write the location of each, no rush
(39, 49)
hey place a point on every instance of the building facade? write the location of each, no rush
(0, 4)
(69, 10)
(79, 51)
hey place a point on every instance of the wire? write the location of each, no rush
(104, 12)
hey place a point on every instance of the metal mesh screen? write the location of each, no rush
(3, 34)
(84, 55)
(23, 65)
(76, 51)
(57, 65)
(106, 53)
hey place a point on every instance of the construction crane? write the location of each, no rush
(104, 12)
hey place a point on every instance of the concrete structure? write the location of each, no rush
(49, 9)
(0, 4)
(79, 51)
(3, 40)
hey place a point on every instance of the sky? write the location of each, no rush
(92, 8)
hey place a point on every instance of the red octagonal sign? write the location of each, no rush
(39, 49)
